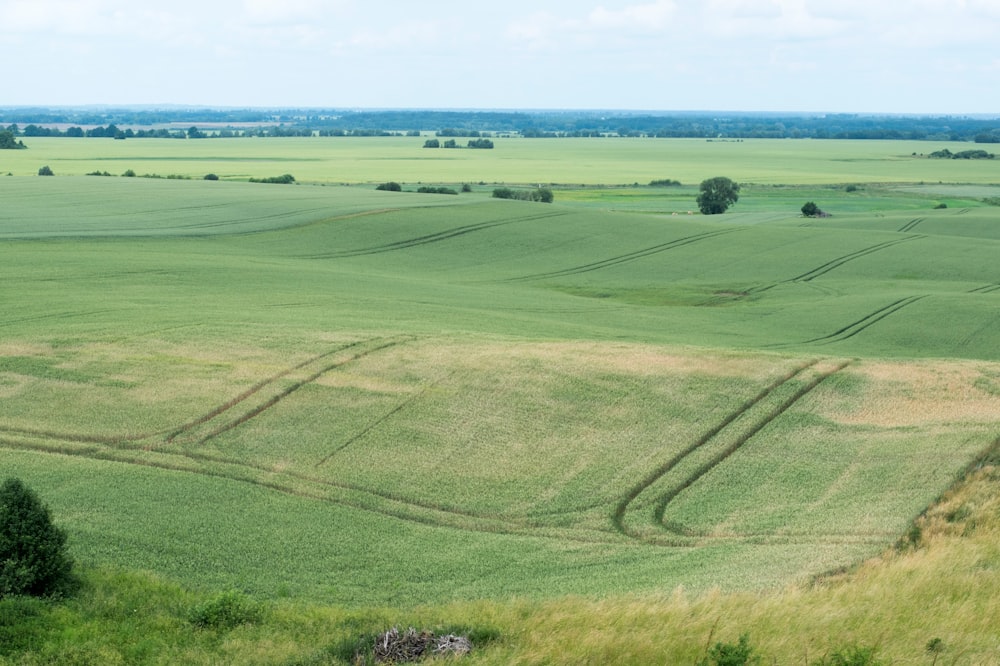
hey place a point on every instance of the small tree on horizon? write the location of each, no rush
(33, 557)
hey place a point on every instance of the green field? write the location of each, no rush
(609, 161)
(345, 396)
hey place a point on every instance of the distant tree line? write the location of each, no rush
(962, 155)
(478, 124)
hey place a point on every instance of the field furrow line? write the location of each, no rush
(345, 495)
(985, 289)
(433, 238)
(621, 259)
(623, 506)
(72, 437)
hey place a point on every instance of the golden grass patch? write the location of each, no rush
(916, 393)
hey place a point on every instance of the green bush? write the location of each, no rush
(33, 557)
(731, 654)
(129, 173)
(226, 611)
(211, 176)
(45, 171)
(391, 186)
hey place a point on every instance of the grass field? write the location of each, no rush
(338, 395)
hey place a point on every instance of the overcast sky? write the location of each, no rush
(919, 56)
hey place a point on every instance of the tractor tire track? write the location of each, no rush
(226, 406)
(666, 499)
(624, 258)
(432, 238)
(986, 289)
(840, 261)
(911, 225)
(345, 495)
(823, 269)
(618, 517)
(385, 417)
(284, 393)
(865, 322)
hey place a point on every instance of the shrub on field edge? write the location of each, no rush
(45, 171)
(33, 556)
(391, 186)
(226, 611)
(211, 176)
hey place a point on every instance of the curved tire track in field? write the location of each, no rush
(340, 494)
(435, 237)
(624, 258)
(666, 499)
(823, 269)
(986, 289)
(618, 517)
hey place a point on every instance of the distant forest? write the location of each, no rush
(191, 123)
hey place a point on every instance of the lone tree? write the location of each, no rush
(717, 194)
(33, 557)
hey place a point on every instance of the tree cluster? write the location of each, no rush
(962, 155)
(429, 189)
(284, 179)
(9, 142)
(542, 194)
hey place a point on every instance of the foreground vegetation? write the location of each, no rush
(534, 422)
(931, 600)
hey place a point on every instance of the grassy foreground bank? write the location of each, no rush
(930, 600)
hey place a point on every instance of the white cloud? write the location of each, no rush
(271, 12)
(646, 17)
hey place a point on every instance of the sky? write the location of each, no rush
(862, 56)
